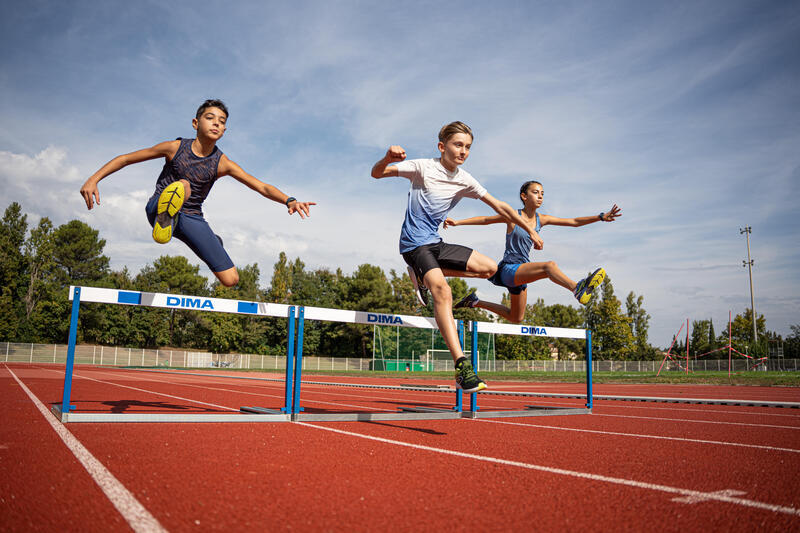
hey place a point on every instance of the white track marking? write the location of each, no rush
(699, 421)
(156, 393)
(636, 435)
(126, 503)
(705, 497)
(205, 387)
(327, 392)
(721, 496)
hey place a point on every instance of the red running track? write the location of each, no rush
(629, 466)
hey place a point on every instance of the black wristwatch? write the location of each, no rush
(602, 214)
(290, 199)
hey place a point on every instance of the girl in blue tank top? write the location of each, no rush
(516, 270)
(191, 167)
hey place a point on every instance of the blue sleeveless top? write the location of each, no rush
(200, 172)
(519, 243)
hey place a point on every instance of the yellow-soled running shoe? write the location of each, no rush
(586, 286)
(466, 378)
(169, 203)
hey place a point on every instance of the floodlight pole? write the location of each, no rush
(749, 264)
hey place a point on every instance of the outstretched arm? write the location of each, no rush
(381, 169)
(607, 216)
(89, 189)
(229, 168)
(474, 221)
(510, 215)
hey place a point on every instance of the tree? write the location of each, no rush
(699, 342)
(41, 268)
(13, 227)
(612, 337)
(791, 347)
(280, 286)
(42, 285)
(741, 333)
(172, 274)
(238, 333)
(524, 347)
(79, 253)
(640, 322)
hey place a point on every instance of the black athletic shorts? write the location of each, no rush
(438, 255)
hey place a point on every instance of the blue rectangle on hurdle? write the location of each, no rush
(248, 307)
(134, 298)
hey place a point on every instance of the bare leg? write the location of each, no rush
(229, 277)
(513, 314)
(443, 310)
(530, 272)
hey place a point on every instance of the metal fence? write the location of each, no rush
(117, 356)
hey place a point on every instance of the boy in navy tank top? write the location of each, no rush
(191, 168)
(515, 270)
(437, 185)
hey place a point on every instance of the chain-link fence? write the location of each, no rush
(118, 356)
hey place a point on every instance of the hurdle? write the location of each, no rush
(531, 410)
(297, 315)
(65, 412)
(431, 413)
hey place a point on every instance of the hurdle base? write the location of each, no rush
(530, 410)
(72, 416)
(261, 410)
(405, 413)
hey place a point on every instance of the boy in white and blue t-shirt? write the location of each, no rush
(437, 185)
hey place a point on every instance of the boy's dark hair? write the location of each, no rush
(524, 188)
(451, 129)
(212, 103)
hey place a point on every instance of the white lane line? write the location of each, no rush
(640, 436)
(126, 503)
(153, 392)
(699, 421)
(206, 387)
(721, 496)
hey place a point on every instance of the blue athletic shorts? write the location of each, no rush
(504, 277)
(194, 231)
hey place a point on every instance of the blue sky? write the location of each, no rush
(686, 114)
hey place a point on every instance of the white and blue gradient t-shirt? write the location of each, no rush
(434, 192)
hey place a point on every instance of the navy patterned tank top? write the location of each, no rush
(519, 244)
(200, 172)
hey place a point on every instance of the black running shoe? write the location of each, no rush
(466, 378)
(467, 301)
(419, 289)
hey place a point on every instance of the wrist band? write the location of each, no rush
(602, 215)
(290, 199)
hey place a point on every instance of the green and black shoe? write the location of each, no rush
(466, 378)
